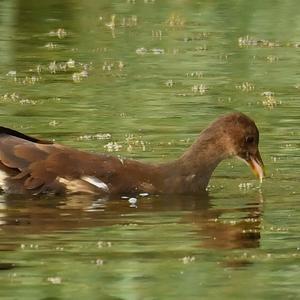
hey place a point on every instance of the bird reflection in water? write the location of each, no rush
(215, 228)
(221, 228)
(229, 229)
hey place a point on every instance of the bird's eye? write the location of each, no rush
(249, 139)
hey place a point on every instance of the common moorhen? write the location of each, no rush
(32, 166)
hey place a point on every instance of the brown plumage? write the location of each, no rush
(32, 166)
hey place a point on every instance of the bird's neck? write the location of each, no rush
(192, 171)
(206, 152)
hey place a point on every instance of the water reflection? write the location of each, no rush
(234, 232)
(202, 59)
(215, 227)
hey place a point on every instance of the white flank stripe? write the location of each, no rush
(3, 177)
(96, 182)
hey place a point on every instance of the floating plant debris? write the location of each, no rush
(109, 65)
(52, 67)
(199, 88)
(53, 123)
(245, 186)
(143, 51)
(250, 41)
(16, 98)
(170, 83)
(12, 73)
(157, 34)
(200, 36)
(272, 58)
(51, 46)
(99, 262)
(131, 21)
(54, 280)
(134, 142)
(60, 33)
(175, 21)
(269, 100)
(267, 94)
(113, 147)
(103, 244)
(78, 76)
(245, 86)
(70, 63)
(188, 259)
(97, 136)
(196, 74)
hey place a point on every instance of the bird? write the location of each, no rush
(33, 166)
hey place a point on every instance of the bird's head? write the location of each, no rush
(241, 139)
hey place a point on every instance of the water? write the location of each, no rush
(141, 79)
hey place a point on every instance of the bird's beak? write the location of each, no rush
(257, 166)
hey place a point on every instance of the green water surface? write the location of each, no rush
(141, 79)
